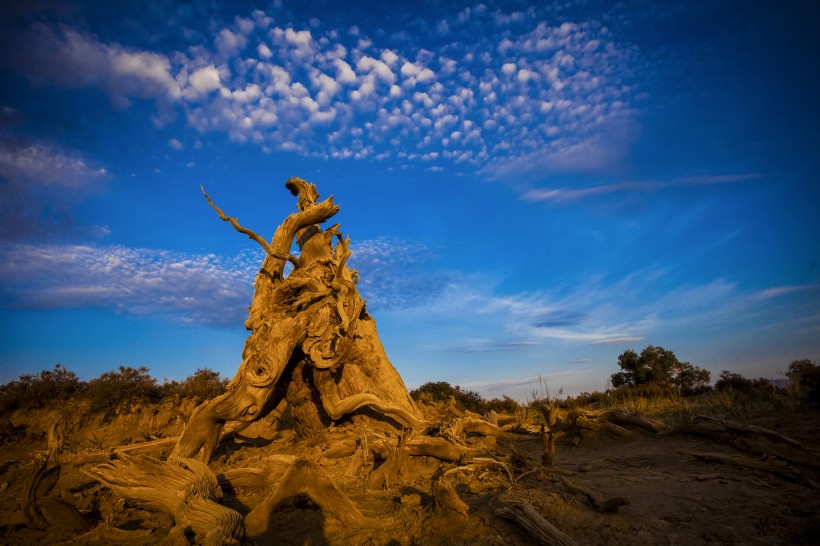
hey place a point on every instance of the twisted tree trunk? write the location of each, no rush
(312, 343)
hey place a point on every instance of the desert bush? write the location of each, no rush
(117, 390)
(441, 391)
(805, 380)
(40, 390)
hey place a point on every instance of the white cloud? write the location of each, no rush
(202, 81)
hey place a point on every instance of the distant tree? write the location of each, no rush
(40, 390)
(660, 369)
(116, 390)
(805, 378)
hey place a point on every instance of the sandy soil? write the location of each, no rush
(673, 498)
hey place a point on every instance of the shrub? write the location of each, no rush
(204, 384)
(441, 391)
(805, 378)
(503, 405)
(116, 390)
(37, 391)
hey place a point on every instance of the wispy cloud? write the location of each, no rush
(563, 195)
(190, 288)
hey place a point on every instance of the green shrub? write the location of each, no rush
(441, 391)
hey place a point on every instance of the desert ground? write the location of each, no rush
(614, 485)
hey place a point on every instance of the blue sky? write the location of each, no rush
(530, 189)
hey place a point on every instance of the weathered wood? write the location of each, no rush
(303, 478)
(447, 498)
(523, 513)
(184, 488)
(439, 448)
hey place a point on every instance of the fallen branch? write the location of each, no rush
(747, 438)
(523, 513)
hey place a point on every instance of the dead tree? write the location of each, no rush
(312, 345)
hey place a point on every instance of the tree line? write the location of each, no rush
(655, 371)
(113, 391)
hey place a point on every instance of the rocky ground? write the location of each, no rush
(603, 487)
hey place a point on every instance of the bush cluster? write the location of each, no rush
(116, 391)
(441, 391)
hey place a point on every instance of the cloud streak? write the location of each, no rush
(565, 195)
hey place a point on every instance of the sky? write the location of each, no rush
(530, 188)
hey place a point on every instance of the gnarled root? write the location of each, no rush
(184, 488)
(303, 478)
(337, 407)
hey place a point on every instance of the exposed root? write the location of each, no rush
(303, 478)
(184, 488)
(447, 498)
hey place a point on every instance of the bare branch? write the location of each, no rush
(235, 223)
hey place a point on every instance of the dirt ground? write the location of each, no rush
(674, 498)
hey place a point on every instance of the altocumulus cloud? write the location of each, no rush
(501, 92)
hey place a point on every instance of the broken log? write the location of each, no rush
(523, 513)
(447, 498)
